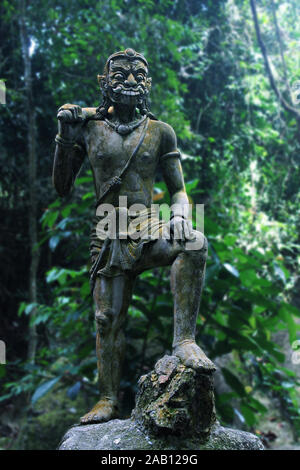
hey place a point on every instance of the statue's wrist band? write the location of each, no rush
(63, 142)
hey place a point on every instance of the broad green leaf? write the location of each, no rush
(43, 389)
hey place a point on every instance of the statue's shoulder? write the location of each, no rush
(162, 126)
(94, 118)
(167, 135)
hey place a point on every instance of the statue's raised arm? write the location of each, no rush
(70, 146)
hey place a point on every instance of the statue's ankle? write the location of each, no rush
(109, 399)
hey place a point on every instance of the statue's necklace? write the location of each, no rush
(124, 129)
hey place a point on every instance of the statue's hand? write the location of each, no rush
(181, 228)
(70, 119)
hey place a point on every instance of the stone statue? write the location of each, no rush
(125, 144)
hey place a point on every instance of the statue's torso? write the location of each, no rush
(108, 153)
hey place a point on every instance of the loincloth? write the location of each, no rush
(114, 256)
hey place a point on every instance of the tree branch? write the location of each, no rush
(32, 173)
(281, 48)
(262, 46)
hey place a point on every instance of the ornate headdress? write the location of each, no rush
(129, 54)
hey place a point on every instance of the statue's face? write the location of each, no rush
(127, 81)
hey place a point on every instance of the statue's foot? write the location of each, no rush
(192, 356)
(104, 410)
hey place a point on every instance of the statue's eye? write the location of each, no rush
(140, 77)
(118, 76)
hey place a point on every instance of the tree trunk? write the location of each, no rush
(30, 118)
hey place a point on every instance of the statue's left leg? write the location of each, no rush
(187, 279)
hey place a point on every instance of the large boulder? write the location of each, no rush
(127, 435)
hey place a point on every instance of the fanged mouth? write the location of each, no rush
(128, 91)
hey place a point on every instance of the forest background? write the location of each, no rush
(224, 75)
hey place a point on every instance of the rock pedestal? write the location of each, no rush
(175, 400)
(174, 410)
